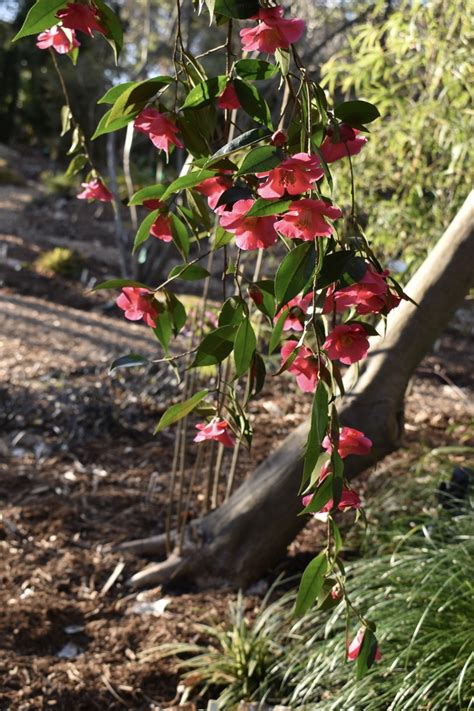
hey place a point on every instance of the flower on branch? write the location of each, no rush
(297, 310)
(62, 39)
(293, 176)
(304, 366)
(305, 219)
(347, 343)
(356, 645)
(161, 228)
(272, 32)
(351, 441)
(250, 232)
(84, 18)
(95, 190)
(137, 303)
(161, 130)
(350, 499)
(229, 99)
(370, 295)
(350, 143)
(213, 188)
(217, 430)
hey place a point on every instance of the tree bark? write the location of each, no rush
(250, 532)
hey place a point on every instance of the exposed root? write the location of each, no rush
(153, 545)
(159, 573)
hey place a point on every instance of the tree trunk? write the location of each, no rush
(250, 532)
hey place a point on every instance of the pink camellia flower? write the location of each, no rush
(213, 188)
(217, 430)
(62, 39)
(349, 500)
(305, 219)
(81, 17)
(356, 644)
(250, 232)
(161, 228)
(279, 138)
(95, 190)
(137, 303)
(293, 176)
(304, 366)
(347, 343)
(229, 99)
(370, 295)
(297, 310)
(161, 130)
(349, 144)
(272, 32)
(351, 441)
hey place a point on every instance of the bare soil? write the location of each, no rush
(79, 468)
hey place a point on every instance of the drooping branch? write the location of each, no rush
(250, 532)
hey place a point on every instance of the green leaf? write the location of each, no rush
(259, 160)
(107, 126)
(119, 284)
(163, 329)
(111, 95)
(210, 4)
(144, 229)
(294, 272)
(77, 164)
(222, 238)
(253, 102)
(323, 459)
(180, 410)
(321, 496)
(283, 60)
(311, 584)
(255, 69)
(232, 312)
(66, 120)
(356, 112)
(187, 181)
(266, 293)
(215, 347)
(197, 127)
(275, 338)
(180, 235)
(366, 656)
(132, 360)
(240, 9)
(112, 26)
(338, 264)
(317, 432)
(244, 347)
(188, 272)
(152, 192)
(242, 141)
(263, 208)
(258, 374)
(135, 98)
(205, 92)
(40, 17)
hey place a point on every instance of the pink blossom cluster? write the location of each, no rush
(75, 17)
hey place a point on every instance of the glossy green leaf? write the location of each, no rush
(112, 26)
(222, 238)
(265, 297)
(317, 432)
(180, 410)
(176, 310)
(232, 312)
(106, 126)
(188, 272)
(144, 230)
(205, 92)
(187, 181)
(321, 496)
(258, 374)
(264, 208)
(215, 347)
(255, 69)
(356, 112)
(311, 584)
(77, 164)
(294, 272)
(180, 235)
(366, 656)
(244, 347)
(152, 192)
(132, 360)
(40, 17)
(253, 102)
(164, 329)
(277, 331)
(112, 94)
(336, 264)
(259, 160)
(245, 139)
(135, 98)
(119, 284)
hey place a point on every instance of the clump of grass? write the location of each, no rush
(61, 261)
(416, 582)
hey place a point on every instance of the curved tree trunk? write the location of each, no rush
(250, 532)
